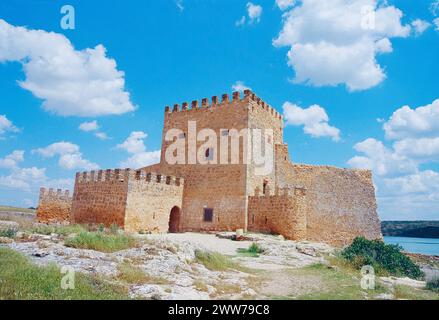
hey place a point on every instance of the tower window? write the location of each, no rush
(264, 187)
(209, 154)
(208, 215)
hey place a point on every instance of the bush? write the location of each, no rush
(433, 285)
(8, 233)
(253, 251)
(382, 257)
(101, 241)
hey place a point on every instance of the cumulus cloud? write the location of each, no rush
(93, 126)
(89, 126)
(23, 178)
(400, 174)
(12, 160)
(285, 4)
(69, 154)
(240, 86)
(6, 125)
(135, 145)
(436, 23)
(408, 123)
(70, 82)
(419, 26)
(315, 120)
(336, 42)
(254, 13)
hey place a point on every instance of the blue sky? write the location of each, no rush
(339, 86)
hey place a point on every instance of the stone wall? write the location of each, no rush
(283, 213)
(54, 206)
(341, 203)
(151, 198)
(100, 197)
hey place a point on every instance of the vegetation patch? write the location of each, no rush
(8, 233)
(135, 275)
(61, 230)
(216, 261)
(22, 280)
(384, 258)
(253, 251)
(433, 284)
(99, 241)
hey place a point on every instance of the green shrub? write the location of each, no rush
(8, 233)
(101, 241)
(22, 280)
(253, 251)
(382, 257)
(433, 284)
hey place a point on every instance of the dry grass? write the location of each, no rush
(135, 275)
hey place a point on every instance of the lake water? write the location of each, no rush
(416, 245)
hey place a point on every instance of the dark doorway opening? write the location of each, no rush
(174, 220)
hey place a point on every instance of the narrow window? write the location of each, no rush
(209, 154)
(264, 187)
(253, 218)
(208, 215)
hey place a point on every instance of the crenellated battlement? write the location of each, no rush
(225, 101)
(125, 175)
(54, 194)
(54, 206)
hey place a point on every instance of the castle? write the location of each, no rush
(300, 202)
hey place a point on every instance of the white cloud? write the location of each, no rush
(93, 126)
(336, 42)
(23, 178)
(240, 86)
(142, 159)
(254, 13)
(436, 23)
(69, 154)
(409, 123)
(70, 82)
(381, 160)
(102, 135)
(89, 126)
(423, 149)
(285, 4)
(6, 125)
(434, 7)
(419, 26)
(135, 145)
(12, 160)
(404, 186)
(314, 120)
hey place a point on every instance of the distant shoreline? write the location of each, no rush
(411, 229)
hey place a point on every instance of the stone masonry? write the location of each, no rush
(54, 206)
(301, 202)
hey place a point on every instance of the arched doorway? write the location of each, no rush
(174, 220)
